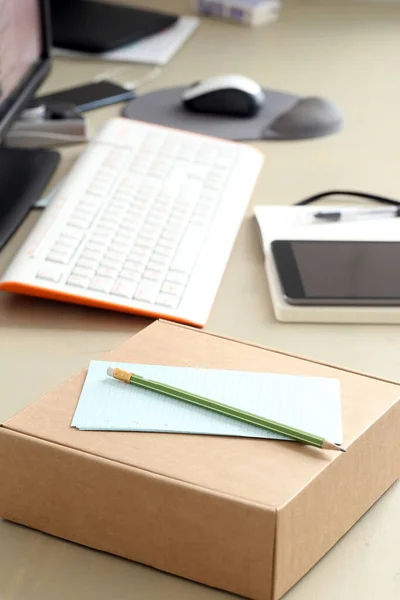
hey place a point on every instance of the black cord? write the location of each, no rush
(364, 195)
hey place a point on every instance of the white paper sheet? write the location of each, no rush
(308, 403)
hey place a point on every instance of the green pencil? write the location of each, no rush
(223, 409)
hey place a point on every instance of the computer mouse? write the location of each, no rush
(233, 95)
(308, 118)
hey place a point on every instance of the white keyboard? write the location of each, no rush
(144, 223)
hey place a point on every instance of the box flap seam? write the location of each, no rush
(141, 469)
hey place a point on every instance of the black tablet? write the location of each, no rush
(322, 272)
(94, 27)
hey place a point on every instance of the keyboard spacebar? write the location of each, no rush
(189, 248)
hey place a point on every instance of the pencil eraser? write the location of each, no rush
(110, 371)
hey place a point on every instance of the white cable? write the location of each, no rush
(108, 74)
(129, 85)
(149, 76)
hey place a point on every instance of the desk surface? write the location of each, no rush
(347, 52)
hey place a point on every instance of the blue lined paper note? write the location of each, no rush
(308, 403)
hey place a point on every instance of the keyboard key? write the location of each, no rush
(102, 284)
(135, 265)
(107, 272)
(160, 210)
(168, 240)
(78, 281)
(153, 143)
(220, 170)
(140, 167)
(205, 158)
(135, 215)
(79, 223)
(83, 272)
(160, 258)
(180, 214)
(119, 247)
(174, 227)
(95, 247)
(204, 206)
(68, 242)
(88, 263)
(49, 274)
(101, 238)
(154, 275)
(121, 200)
(147, 291)
(130, 275)
(155, 221)
(125, 238)
(113, 255)
(111, 217)
(166, 248)
(113, 263)
(131, 181)
(185, 204)
(213, 185)
(107, 170)
(159, 172)
(175, 289)
(82, 215)
(128, 230)
(156, 266)
(92, 254)
(143, 196)
(169, 148)
(114, 211)
(198, 172)
(59, 257)
(73, 235)
(188, 249)
(143, 241)
(89, 203)
(96, 190)
(105, 227)
(124, 288)
(67, 251)
(150, 231)
(139, 253)
(167, 300)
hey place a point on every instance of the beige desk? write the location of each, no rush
(348, 52)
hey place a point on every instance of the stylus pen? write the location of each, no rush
(222, 409)
(338, 215)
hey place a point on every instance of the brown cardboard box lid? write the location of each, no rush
(247, 469)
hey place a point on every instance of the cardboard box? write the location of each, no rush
(243, 515)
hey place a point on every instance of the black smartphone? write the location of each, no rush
(321, 272)
(89, 96)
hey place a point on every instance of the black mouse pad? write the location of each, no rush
(163, 107)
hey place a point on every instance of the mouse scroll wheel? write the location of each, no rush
(194, 84)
